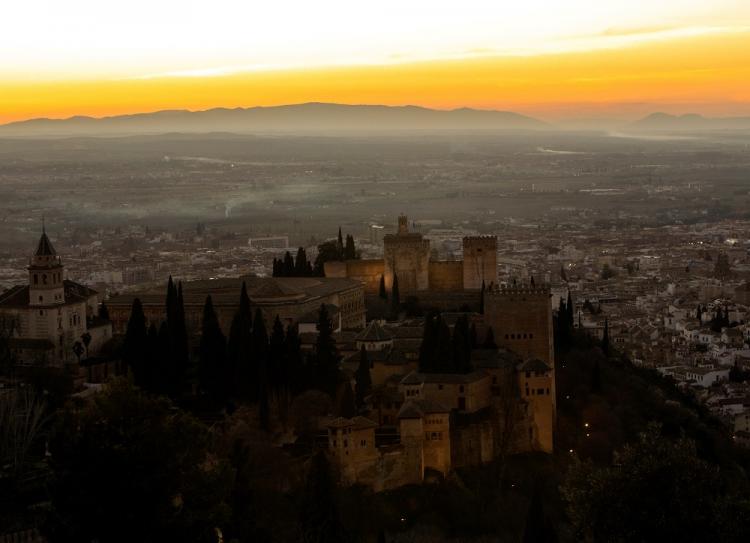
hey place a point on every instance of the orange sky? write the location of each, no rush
(707, 73)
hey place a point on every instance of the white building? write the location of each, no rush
(45, 318)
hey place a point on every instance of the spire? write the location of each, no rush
(44, 247)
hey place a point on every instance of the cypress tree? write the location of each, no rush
(596, 378)
(489, 339)
(162, 381)
(362, 379)
(340, 246)
(238, 376)
(571, 313)
(473, 336)
(345, 404)
(481, 299)
(134, 348)
(104, 312)
(427, 348)
(180, 349)
(538, 528)
(350, 252)
(326, 354)
(288, 265)
(300, 263)
(605, 338)
(395, 297)
(382, 292)
(294, 369)
(277, 360)
(153, 362)
(319, 514)
(443, 349)
(259, 364)
(461, 346)
(212, 352)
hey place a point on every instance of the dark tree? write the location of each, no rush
(444, 360)
(481, 298)
(346, 405)
(288, 265)
(382, 292)
(179, 337)
(427, 349)
(294, 366)
(326, 354)
(362, 378)
(277, 360)
(301, 263)
(605, 338)
(461, 346)
(538, 528)
(571, 310)
(259, 348)
(327, 252)
(489, 339)
(86, 340)
(134, 347)
(239, 377)
(340, 246)
(395, 297)
(596, 378)
(319, 515)
(104, 312)
(129, 467)
(350, 252)
(212, 353)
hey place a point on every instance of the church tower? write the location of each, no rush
(46, 286)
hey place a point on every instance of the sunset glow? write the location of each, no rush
(551, 59)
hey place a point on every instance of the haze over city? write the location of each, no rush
(375, 272)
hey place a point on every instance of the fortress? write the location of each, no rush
(506, 404)
(407, 255)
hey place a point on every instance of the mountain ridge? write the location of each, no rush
(309, 116)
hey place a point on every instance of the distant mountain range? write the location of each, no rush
(311, 117)
(689, 122)
(330, 118)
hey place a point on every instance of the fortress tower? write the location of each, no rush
(521, 319)
(480, 261)
(406, 254)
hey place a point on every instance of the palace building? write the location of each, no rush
(46, 317)
(406, 255)
(295, 300)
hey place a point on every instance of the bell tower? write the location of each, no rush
(46, 286)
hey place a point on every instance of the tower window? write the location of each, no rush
(41, 298)
(36, 279)
(44, 278)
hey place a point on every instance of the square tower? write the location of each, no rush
(480, 261)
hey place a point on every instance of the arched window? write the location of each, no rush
(44, 278)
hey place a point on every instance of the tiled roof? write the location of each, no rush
(417, 409)
(45, 248)
(374, 332)
(356, 423)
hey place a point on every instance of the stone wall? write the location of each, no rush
(446, 276)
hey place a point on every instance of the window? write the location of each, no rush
(440, 387)
(363, 443)
(531, 336)
(461, 389)
(528, 374)
(540, 391)
(41, 298)
(44, 278)
(36, 279)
